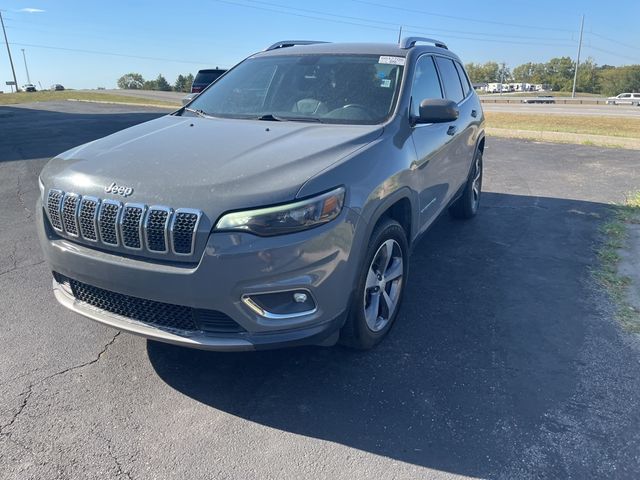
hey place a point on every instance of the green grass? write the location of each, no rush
(587, 124)
(615, 237)
(49, 96)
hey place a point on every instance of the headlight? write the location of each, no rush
(292, 217)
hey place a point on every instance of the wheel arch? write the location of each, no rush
(399, 206)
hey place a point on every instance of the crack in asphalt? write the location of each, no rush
(120, 471)
(16, 267)
(21, 202)
(29, 391)
(13, 258)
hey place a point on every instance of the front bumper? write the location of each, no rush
(321, 261)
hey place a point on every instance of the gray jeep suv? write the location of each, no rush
(278, 208)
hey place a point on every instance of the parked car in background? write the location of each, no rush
(29, 87)
(624, 99)
(279, 208)
(204, 78)
(540, 99)
(56, 87)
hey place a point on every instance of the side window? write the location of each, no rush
(466, 87)
(450, 80)
(425, 83)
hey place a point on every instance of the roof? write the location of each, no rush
(391, 49)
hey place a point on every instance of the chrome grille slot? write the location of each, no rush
(54, 208)
(108, 221)
(87, 218)
(131, 226)
(156, 228)
(183, 228)
(70, 203)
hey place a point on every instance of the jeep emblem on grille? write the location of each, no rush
(118, 190)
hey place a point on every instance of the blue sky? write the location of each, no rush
(152, 37)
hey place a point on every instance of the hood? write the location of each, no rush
(207, 163)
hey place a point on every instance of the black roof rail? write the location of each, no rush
(291, 43)
(409, 42)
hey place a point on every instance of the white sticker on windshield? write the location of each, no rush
(392, 60)
(385, 83)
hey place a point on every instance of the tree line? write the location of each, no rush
(558, 74)
(135, 81)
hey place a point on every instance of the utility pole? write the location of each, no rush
(25, 65)
(502, 77)
(575, 74)
(8, 51)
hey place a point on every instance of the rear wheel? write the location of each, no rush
(467, 205)
(380, 287)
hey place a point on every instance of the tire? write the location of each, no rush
(370, 317)
(467, 205)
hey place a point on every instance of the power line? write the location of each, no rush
(96, 52)
(503, 41)
(613, 41)
(602, 50)
(256, 7)
(467, 19)
(349, 22)
(395, 24)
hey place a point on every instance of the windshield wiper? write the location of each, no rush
(198, 112)
(276, 118)
(306, 119)
(270, 117)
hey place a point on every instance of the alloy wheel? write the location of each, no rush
(476, 184)
(383, 285)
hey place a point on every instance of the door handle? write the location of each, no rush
(452, 130)
(474, 113)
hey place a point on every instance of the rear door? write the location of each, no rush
(462, 131)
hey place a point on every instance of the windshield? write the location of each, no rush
(355, 89)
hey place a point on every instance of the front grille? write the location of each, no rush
(184, 225)
(158, 314)
(87, 218)
(54, 207)
(216, 322)
(70, 213)
(157, 229)
(132, 226)
(108, 222)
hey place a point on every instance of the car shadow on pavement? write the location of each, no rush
(488, 342)
(33, 133)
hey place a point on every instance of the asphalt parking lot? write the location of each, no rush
(505, 361)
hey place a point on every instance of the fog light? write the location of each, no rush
(281, 305)
(300, 297)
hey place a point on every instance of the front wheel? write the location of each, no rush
(467, 205)
(380, 287)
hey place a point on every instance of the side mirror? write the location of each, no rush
(437, 111)
(188, 98)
